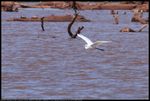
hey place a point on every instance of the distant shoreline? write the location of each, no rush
(82, 5)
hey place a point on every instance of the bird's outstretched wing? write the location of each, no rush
(99, 43)
(87, 40)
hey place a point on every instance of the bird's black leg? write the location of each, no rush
(100, 49)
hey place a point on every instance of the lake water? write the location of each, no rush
(51, 65)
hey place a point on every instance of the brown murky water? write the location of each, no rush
(50, 65)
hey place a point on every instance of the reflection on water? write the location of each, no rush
(50, 65)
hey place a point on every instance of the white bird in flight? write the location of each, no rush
(91, 44)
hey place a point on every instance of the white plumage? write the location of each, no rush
(91, 44)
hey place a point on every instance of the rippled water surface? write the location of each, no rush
(50, 65)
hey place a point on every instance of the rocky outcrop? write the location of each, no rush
(52, 18)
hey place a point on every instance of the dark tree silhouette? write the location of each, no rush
(42, 23)
(72, 22)
(70, 25)
(74, 6)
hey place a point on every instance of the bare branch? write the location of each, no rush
(79, 30)
(144, 26)
(42, 23)
(72, 22)
(74, 6)
(70, 25)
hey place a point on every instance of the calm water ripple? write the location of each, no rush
(50, 65)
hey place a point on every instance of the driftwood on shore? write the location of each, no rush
(138, 18)
(51, 18)
(127, 29)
